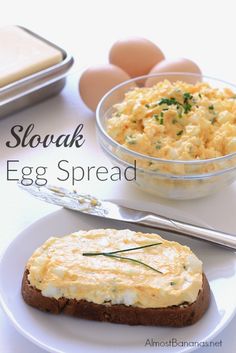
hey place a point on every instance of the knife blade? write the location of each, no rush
(88, 204)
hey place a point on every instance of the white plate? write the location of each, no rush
(72, 335)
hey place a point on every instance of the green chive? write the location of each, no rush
(180, 133)
(168, 101)
(187, 108)
(111, 254)
(156, 116)
(187, 96)
(117, 251)
(133, 260)
(130, 140)
(211, 107)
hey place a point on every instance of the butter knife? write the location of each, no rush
(90, 205)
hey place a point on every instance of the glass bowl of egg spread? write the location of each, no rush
(177, 129)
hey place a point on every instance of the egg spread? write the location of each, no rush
(162, 275)
(176, 121)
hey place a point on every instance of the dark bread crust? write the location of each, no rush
(175, 316)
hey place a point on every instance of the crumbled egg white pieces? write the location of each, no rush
(176, 121)
(59, 269)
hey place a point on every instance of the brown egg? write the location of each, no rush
(136, 56)
(96, 81)
(175, 65)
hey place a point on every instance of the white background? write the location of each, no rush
(202, 30)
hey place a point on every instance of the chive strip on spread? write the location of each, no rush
(111, 254)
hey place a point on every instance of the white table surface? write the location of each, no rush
(201, 30)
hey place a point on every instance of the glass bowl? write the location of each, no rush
(172, 179)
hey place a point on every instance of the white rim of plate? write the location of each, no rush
(50, 349)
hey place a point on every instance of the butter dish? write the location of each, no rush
(31, 69)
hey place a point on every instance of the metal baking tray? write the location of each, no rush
(36, 87)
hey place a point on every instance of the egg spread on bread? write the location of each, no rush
(164, 274)
(176, 121)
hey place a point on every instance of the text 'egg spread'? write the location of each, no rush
(176, 121)
(59, 269)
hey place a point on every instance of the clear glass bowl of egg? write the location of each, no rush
(168, 178)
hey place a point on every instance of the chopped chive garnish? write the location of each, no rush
(172, 283)
(174, 121)
(162, 114)
(211, 107)
(199, 95)
(187, 108)
(158, 146)
(147, 105)
(130, 140)
(161, 121)
(168, 101)
(156, 116)
(180, 133)
(187, 96)
(172, 101)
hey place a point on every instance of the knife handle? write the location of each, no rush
(224, 239)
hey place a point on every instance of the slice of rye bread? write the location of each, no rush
(175, 316)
